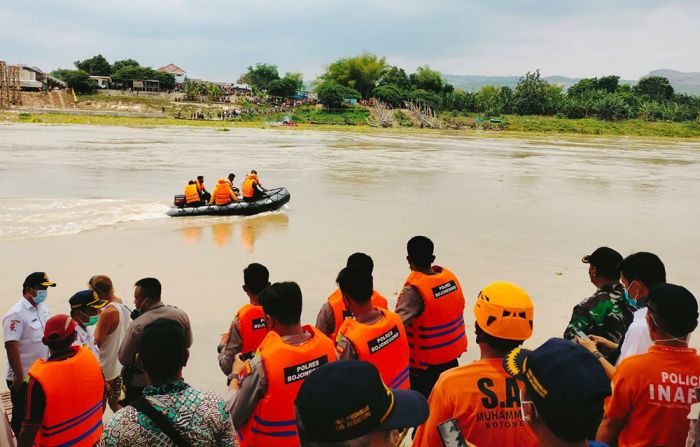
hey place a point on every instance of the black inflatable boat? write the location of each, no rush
(274, 200)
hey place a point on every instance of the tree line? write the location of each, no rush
(120, 71)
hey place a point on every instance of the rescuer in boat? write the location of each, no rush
(223, 193)
(203, 193)
(192, 197)
(231, 178)
(252, 189)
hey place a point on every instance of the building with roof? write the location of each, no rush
(176, 71)
(33, 78)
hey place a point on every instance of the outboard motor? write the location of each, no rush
(180, 201)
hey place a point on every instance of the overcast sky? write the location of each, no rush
(217, 39)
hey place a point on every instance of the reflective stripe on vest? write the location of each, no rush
(286, 367)
(437, 335)
(191, 193)
(251, 325)
(340, 313)
(77, 380)
(382, 343)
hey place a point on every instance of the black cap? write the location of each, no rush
(562, 378)
(38, 279)
(674, 309)
(345, 400)
(86, 298)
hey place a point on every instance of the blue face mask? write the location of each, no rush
(41, 296)
(92, 321)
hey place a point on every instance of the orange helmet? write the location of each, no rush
(504, 310)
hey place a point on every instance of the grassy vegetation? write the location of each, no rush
(151, 101)
(355, 119)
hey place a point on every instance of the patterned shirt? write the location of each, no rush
(199, 416)
(607, 314)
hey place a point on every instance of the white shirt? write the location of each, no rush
(86, 338)
(637, 339)
(25, 323)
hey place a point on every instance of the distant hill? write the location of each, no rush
(682, 82)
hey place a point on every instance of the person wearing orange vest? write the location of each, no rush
(192, 197)
(203, 193)
(334, 311)
(431, 306)
(372, 334)
(252, 189)
(263, 389)
(482, 396)
(223, 194)
(248, 328)
(66, 394)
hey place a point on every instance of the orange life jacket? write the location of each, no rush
(74, 389)
(248, 190)
(286, 367)
(223, 195)
(437, 335)
(340, 312)
(191, 193)
(382, 343)
(251, 322)
(200, 185)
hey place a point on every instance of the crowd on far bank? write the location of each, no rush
(363, 375)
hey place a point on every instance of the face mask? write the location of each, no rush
(137, 312)
(92, 321)
(41, 296)
(630, 300)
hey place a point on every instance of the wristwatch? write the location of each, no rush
(597, 355)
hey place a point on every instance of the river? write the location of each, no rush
(81, 200)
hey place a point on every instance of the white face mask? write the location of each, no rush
(677, 339)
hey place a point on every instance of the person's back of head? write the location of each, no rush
(356, 284)
(606, 262)
(231, 176)
(281, 301)
(566, 385)
(673, 311)
(644, 267)
(420, 252)
(504, 316)
(256, 278)
(162, 351)
(150, 288)
(101, 284)
(191, 182)
(254, 172)
(361, 260)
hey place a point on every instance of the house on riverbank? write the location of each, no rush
(33, 78)
(176, 71)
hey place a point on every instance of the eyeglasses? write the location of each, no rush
(531, 406)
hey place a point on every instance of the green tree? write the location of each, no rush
(79, 81)
(61, 73)
(190, 89)
(609, 83)
(505, 100)
(426, 79)
(214, 92)
(297, 80)
(531, 95)
(395, 76)
(612, 108)
(426, 98)
(459, 100)
(655, 88)
(360, 72)
(487, 98)
(282, 88)
(390, 94)
(95, 66)
(333, 95)
(167, 80)
(261, 75)
(118, 65)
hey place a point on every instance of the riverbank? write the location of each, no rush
(513, 125)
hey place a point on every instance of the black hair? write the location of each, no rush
(256, 277)
(361, 260)
(644, 267)
(200, 177)
(61, 345)
(282, 302)
(356, 283)
(420, 250)
(150, 288)
(231, 176)
(254, 172)
(502, 345)
(163, 349)
(607, 271)
(191, 182)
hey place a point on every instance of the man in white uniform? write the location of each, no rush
(23, 327)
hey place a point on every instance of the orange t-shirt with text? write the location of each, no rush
(652, 393)
(485, 400)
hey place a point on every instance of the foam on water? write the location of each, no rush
(32, 218)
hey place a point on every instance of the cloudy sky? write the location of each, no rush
(218, 39)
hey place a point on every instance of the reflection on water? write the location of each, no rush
(222, 228)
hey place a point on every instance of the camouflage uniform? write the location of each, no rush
(607, 314)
